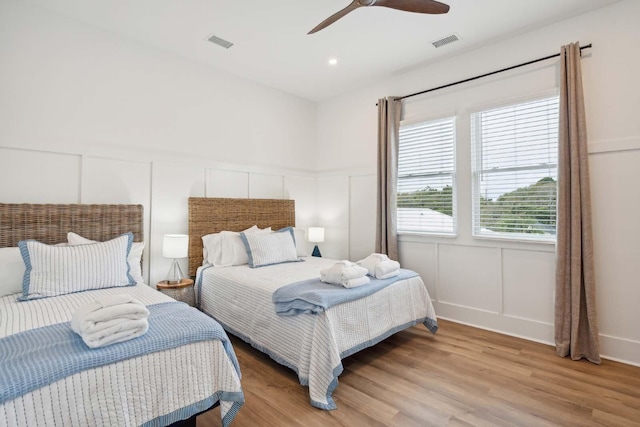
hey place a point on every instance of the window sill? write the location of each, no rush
(516, 240)
(436, 235)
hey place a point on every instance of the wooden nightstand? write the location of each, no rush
(182, 291)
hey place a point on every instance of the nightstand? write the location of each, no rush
(182, 291)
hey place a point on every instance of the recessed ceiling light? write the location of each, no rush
(333, 61)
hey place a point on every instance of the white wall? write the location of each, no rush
(501, 285)
(89, 117)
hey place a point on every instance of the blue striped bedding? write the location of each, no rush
(241, 299)
(26, 367)
(313, 296)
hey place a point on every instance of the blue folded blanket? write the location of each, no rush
(60, 352)
(313, 296)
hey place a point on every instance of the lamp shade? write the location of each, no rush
(316, 234)
(175, 246)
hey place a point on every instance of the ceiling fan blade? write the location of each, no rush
(333, 18)
(418, 6)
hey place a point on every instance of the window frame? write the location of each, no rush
(454, 208)
(476, 154)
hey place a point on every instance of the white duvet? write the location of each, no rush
(128, 393)
(240, 298)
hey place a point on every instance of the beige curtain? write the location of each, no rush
(389, 111)
(576, 328)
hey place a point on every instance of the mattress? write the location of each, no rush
(240, 298)
(155, 389)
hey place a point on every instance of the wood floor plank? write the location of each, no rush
(462, 376)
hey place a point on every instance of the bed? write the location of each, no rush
(170, 384)
(313, 345)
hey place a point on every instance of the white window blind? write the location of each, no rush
(426, 172)
(515, 158)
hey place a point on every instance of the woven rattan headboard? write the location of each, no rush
(50, 223)
(212, 215)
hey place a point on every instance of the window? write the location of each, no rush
(514, 155)
(426, 172)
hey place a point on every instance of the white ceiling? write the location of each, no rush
(271, 45)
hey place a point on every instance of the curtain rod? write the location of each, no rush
(487, 74)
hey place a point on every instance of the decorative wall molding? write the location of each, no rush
(614, 145)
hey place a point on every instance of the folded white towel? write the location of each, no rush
(105, 312)
(120, 331)
(386, 269)
(354, 283)
(380, 266)
(343, 272)
(388, 275)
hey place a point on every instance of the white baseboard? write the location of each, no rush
(620, 349)
(521, 328)
(611, 348)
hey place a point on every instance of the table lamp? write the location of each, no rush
(175, 246)
(316, 235)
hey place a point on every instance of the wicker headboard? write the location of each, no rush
(50, 223)
(212, 215)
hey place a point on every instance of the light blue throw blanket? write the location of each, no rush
(313, 296)
(38, 357)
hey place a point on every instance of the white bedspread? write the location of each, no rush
(157, 388)
(240, 298)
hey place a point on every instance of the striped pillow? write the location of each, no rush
(269, 249)
(134, 259)
(60, 270)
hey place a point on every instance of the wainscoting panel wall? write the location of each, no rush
(362, 201)
(422, 258)
(262, 186)
(528, 279)
(119, 181)
(163, 188)
(172, 185)
(302, 189)
(616, 234)
(333, 214)
(469, 276)
(227, 183)
(510, 286)
(39, 177)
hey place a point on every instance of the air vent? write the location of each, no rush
(220, 42)
(445, 40)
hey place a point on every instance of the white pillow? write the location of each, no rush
(212, 248)
(301, 241)
(60, 270)
(272, 248)
(233, 250)
(11, 271)
(134, 259)
(226, 249)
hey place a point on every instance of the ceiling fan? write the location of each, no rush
(417, 6)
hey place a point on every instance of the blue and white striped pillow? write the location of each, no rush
(271, 248)
(60, 270)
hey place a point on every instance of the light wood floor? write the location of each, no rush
(461, 376)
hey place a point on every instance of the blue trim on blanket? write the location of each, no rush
(313, 296)
(195, 408)
(198, 284)
(60, 352)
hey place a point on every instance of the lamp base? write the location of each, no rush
(316, 252)
(175, 275)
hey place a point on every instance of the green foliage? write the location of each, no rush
(530, 209)
(430, 198)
